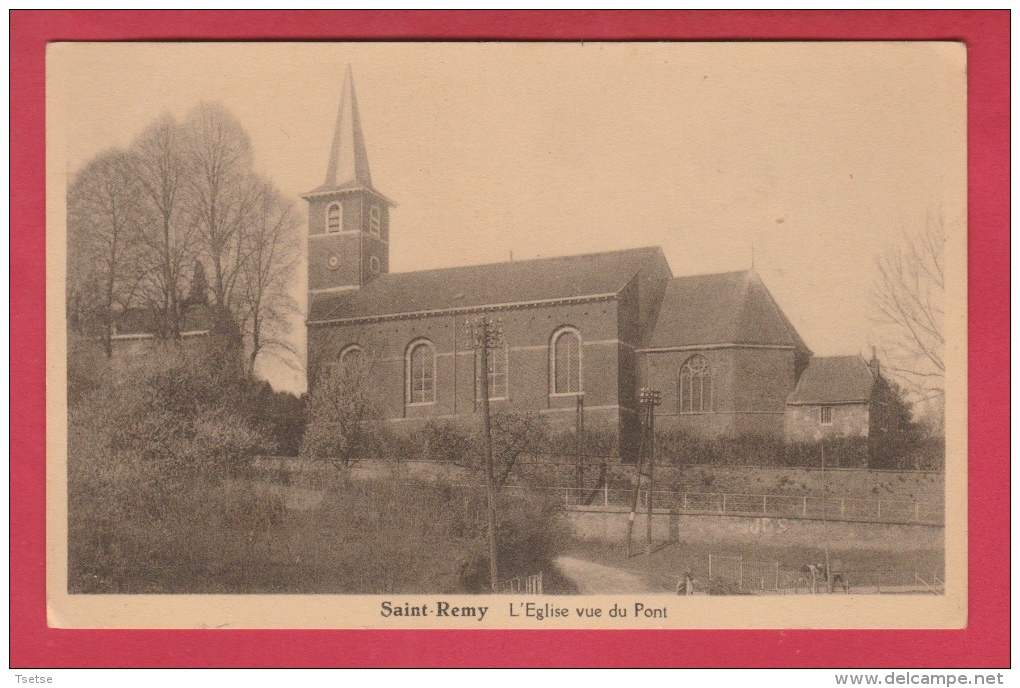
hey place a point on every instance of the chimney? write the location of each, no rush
(876, 369)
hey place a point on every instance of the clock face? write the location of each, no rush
(334, 262)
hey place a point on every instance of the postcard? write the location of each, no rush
(507, 335)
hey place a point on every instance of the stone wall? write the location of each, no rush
(803, 422)
(611, 526)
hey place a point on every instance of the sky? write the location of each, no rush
(818, 155)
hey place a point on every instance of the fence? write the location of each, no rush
(521, 585)
(727, 574)
(534, 458)
(770, 505)
(896, 580)
(737, 575)
(754, 505)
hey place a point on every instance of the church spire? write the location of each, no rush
(348, 161)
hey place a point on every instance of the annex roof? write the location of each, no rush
(834, 380)
(515, 282)
(725, 308)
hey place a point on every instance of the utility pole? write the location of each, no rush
(825, 519)
(637, 490)
(649, 399)
(579, 430)
(484, 334)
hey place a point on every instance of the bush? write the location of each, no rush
(338, 415)
(155, 497)
(141, 525)
(530, 534)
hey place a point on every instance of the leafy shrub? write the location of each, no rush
(139, 525)
(445, 441)
(530, 534)
(338, 415)
(156, 502)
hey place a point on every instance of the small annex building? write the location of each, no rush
(586, 329)
(837, 396)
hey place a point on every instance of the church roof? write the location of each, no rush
(834, 380)
(724, 308)
(347, 168)
(515, 282)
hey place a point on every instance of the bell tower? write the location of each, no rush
(348, 220)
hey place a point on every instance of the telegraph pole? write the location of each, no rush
(485, 334)
(637, 490)
(579, 430)
(825, 519)
(649, 399)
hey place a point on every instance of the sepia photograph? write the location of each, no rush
(507, 335)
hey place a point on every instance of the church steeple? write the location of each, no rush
(348, 160)
(348, 220)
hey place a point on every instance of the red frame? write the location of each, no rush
(984, 643)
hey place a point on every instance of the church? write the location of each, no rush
(585, 329)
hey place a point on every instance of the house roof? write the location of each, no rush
(144, 321)
(834, 380)
(725, 308)
(515, 282)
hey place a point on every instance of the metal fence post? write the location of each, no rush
(605, 496)
(804, 508)
(842, 507)
(764, 504)
(724, 503)
(879, 509)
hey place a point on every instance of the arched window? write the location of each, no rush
(374, 219)
(334, 217)
(696, 386)
(566, 362)
(498, 363)
(351, 359)
(421, 373)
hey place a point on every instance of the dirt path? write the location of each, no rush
(598, 579)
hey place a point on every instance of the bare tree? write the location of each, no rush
(167, 235)
(908, 296)
(195, 208)
(270, 248)
(246, 232)
(222, 192)
(104, 240)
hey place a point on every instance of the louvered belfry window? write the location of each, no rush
(334, 217)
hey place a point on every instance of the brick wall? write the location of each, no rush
(749, 390)
(528, 333)
(355, 245)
